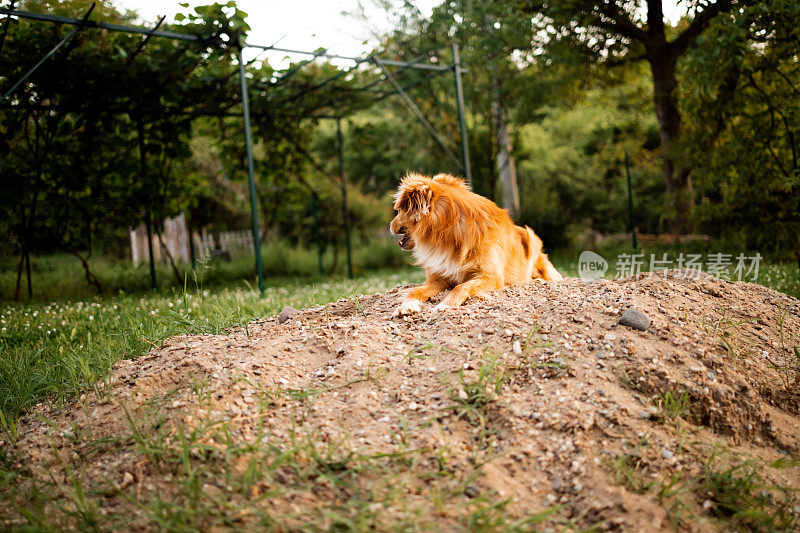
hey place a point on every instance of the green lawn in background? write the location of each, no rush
(60, 277)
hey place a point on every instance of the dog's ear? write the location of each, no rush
(414, 197)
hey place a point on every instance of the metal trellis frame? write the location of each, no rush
(462, 116)
(345, 210)
(331, 79)
(408, 65)
(101, 25)
(291, 72)
(145, 40)
(382, 64)
(47, 56)
(251, 172)
(414, 109)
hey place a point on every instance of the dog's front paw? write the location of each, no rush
(408, 307)
(443, 306)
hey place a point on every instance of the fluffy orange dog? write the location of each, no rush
(464, 241)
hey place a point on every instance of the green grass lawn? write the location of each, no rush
(59, 277)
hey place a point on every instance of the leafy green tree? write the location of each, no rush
(742, 98)
(618, 30)
(572, 174)
(74, 129)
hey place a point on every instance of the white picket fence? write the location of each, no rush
(236, 243)
(176, 240)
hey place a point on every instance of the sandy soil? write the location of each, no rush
(534, 396)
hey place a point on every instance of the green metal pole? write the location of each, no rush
(248, 142)
(345, 213)
(630, 202)
(462, 119)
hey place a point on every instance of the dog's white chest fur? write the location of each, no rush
(438, 262)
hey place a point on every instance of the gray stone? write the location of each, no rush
(472, 491)
(635, 319)
(287, 314)
(666, 454)
(718, 394)
(647, 414)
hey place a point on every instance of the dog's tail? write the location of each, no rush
(539, 265)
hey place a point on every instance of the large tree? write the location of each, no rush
(625, 30)
(741, 98)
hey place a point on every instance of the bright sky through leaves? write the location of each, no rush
(346, 27)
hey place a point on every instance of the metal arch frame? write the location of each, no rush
(415, 64)
(124, 28)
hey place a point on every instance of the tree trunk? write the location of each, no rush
(90, 277)
(28, 231)
(506, 165)
(335, 265)
(797, 255)
(18, 286)
(28, 237)
(676, 176)
(28, 271)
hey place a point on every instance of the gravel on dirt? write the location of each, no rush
(569, 395)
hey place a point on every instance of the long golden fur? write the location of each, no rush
(465, 242)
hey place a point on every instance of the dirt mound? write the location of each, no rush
(531, 405)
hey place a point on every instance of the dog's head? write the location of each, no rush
(415, 201)
(412, 201)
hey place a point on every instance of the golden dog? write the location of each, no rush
(464, 242)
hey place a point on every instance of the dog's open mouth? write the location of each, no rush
(405, 242)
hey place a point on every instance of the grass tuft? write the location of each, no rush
(672, 405)
(738, 497)
(630, 470)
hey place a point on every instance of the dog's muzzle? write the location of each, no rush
(405, 242)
